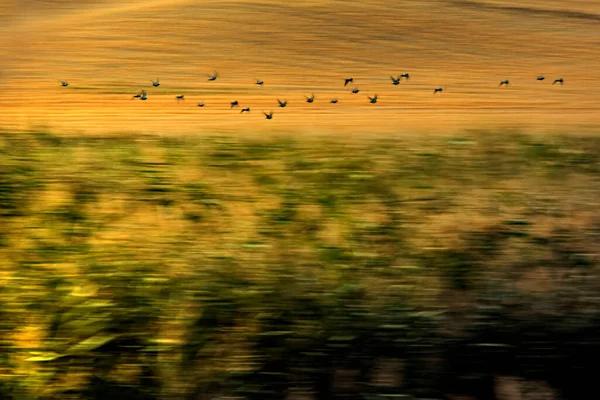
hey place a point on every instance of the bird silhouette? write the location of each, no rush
(247, 109)
(405, 75)
(136, 96)
(180, 97)
(143, 97)
(269, 115)
(200, 104)
(395, 81)
(438, 90)
(541, 78)
(155, 83)
(558, 80)
(214, 76)
(504, 82)
(234, 104)
(348, 80)
(282, 103)
(355, 90)
(333, 101)
(64, 83)
(310, 99)
(259, 82)
(373, 99)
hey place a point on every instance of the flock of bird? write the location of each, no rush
(395, 81)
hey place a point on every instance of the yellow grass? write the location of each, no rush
(109, 50)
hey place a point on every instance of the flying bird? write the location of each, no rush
(504, 82)
(541, 78)
(282, 103)
(259, 82)
(136, 96)
(348, 80)
(200, 104)
(333, 101)
(558, 80)
(179, 97)
(269, 115)
(310, 99)
(143, 95)
(64, 84)
(214, 76)
(355, 90)
(247, 109)
(405, 75)
(373, 99)
(155, 83)
(234, 104)
(436, 90)
(395, 81)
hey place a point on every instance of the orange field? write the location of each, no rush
(109, 50)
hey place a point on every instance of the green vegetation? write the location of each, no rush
(159, 268)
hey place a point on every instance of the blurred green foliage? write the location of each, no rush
(192, 268)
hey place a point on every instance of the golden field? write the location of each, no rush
(428, 246)
(109, 50)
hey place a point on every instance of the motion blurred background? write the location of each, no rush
(109, 50)
(424, 247)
